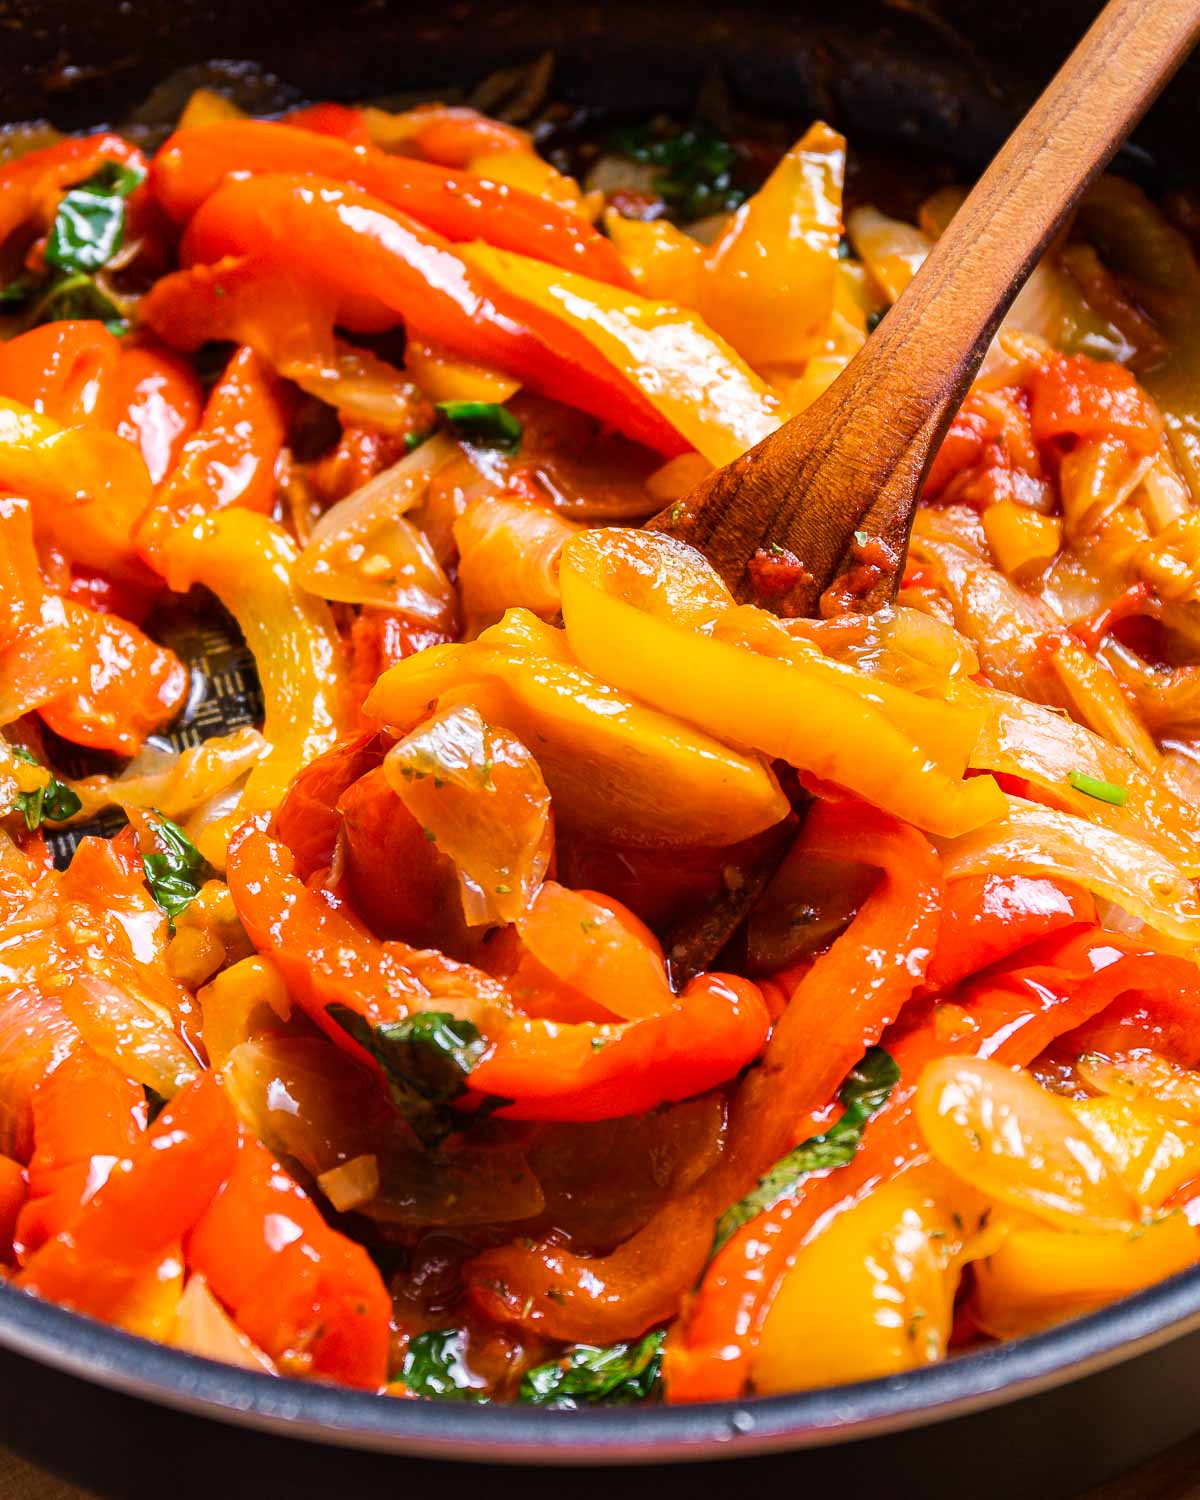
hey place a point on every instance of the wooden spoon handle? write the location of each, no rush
(853, 462)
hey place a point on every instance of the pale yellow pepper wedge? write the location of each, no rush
(445, 376)
(688, 373)
(666, 263)
(250, 564)
(1154, 1155)
(614, 767)
(770, 279)
(1039, 1277)
(624, 625)
(873, 1293)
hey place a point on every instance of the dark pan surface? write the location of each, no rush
(1047, 1415)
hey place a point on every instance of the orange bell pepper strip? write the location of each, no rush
(129, 685)
(231, 459)
(986, 918)
(151, 1199)
(62, 370)
(839, 1008)
(157, 401)
(86, 1117)
(459, 205)
(12, 1199)
(452, 134)
(1011, 1016)
(550, 1070)
(340, 120)
(381, 267)
(40, 658)
(30, 185)
(304, 1293)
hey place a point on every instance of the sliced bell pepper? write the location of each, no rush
(156, 400)
(249, 563)
(150, 1200)
(459, 205)
(380, 266)
(341, 121)
(989, 917)
(307, 1295)
(12, 1199)
(128, 685)
(1075, 399)
(452, 134)
(30, 185)
(62, 370)
(1011, 1016)
(231, 459)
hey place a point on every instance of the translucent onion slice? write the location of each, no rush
(202, 1326)
(364, 551)
(1038, 840)
(996, 1129)
(130, 1033)
(1145, 1078)
(480, 796)
(509, 551)
(176, 785)
(1154, 1155)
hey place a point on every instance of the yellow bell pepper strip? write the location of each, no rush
(688, 373)
(621, 624)
(444, 376)
(666, 263)
(874, 1294)
(769, 282)
(1154, 1154)
(249, 563)
(614, 767)
(88, 488)
(1039, 1277)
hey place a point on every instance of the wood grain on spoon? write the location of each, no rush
(838, 485)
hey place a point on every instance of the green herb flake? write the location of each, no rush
(1102, 791)
(53, 803)
(413, 440)
(484, 423)
(89, 224)
(696, 166)
(426, 1059)
(176, 871)
(435, 1365)
(863, 1094)
(587, 1374)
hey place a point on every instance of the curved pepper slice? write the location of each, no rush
(151, 1199)
(249, 563)
(381, 266)
(459, 205)
(30, 185)
(304, 1293)
(619, 601)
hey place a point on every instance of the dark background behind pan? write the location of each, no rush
(951, 76)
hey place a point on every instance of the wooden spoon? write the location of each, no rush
(837, 486)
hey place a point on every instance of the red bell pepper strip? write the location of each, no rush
(149, 1202)
(129, 687)
(989, 917)
(231, 459)
(381, 266)
(1010, 1016)
(156, 401)
(456, 204)
(30, 185)
(340, 120)
(12, 1199)
(454, 133)
(1077, 399)
(307, 820)
(86, 1117)
(840, 1006)
(304, 1293)
(62, 370)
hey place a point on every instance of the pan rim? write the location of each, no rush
(516, 1435)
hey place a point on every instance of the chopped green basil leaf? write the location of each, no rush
(89, 224)
(435, 1365)
(587, 1373)
(53, 803)
(484, 423)
(864, 1092)
(176, 872)
(695, 176)
(1103, 791)
(426, 1059)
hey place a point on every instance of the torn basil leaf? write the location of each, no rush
(695, 174)
(176, 871)
(863, 1094)
(484, 423)
(435, 1365)
(426, 1059)
(53, 803)
(617, 1374)
(89, 223)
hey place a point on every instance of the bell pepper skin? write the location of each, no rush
(30, 185)
(986, 918)
(304, 1293)
(12, 1200)
(150, 1200)
(381, 266)
(459, 205)
(156, 404)
(231, 459)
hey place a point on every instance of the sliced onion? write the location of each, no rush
(129, 1032)
(203, 1327)
(363, 389)
(176, 785)
(508, 557)
(352, 1185)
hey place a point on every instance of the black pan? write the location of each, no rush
(1048, 1415)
